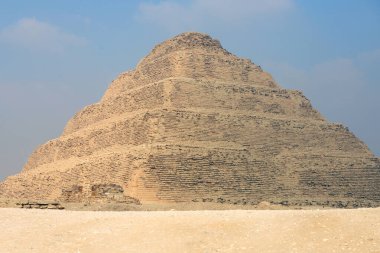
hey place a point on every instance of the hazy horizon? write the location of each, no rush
(59, 57)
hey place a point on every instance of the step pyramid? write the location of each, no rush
(195, 123)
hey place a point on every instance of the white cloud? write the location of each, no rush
(35, 35)
(172, 15)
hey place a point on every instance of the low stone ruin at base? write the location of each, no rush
(40, 205)
(195, 123)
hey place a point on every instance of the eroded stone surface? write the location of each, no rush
(195, 123)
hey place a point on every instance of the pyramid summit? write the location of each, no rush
(197, 55)
(195, 123)
(187, 41)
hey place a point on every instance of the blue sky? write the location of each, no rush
(58, 56)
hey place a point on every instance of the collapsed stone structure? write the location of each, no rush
(40, 205)
(194, 122)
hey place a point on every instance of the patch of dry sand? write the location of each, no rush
(190, 231)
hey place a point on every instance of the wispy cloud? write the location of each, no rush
(344, 90)
(345, 77)
(172, 15)
(36, 35)
(370, 57)
(332, 85)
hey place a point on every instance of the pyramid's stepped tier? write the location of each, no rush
(191, 55)
(188, 173)
(180, 126)
(198, 64)
(196, 123)
(189, 93)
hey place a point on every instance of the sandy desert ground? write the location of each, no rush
(190, 231)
